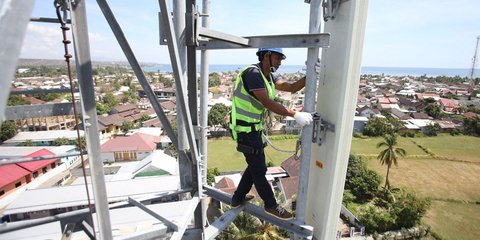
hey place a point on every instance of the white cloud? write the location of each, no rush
(42, 42)
(45, 41)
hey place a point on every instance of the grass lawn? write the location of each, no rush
(456, 221)
(458, 147)
(222, 154)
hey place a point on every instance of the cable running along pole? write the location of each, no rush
(67, 56)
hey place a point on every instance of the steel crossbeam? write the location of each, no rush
(167, 222)
(318, 40)
(222, 222)
(302, 230)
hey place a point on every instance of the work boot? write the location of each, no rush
(279, 212)
(247, 198)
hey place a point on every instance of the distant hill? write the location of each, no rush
(25, 62)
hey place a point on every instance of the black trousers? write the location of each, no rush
(255, 171)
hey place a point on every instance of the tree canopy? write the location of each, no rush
(217, 114)
(7, 130)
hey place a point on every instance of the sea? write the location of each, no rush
(386, 71)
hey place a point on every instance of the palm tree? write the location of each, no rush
(390, 154)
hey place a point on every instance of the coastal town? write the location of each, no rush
(136, 151)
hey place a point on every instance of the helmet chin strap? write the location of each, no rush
(272, 68)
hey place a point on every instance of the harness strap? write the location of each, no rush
(250, 150)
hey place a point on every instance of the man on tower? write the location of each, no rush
(254, 95)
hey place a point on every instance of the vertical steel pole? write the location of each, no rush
(310, 92)
(204, 91)
(179, 8)
(90, 122)
(204, 103)
(185, 166)
(191, 16)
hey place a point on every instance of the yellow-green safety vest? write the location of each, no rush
(246, 107)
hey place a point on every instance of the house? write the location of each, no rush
(396, 113)
(419, 115)
(367, 112)
(410, 104)
(470, 115)
(169, 106)
(421, 96)
(162, 94)
(417, 124)
(13, 176)
(152, 123)
(446, 126)
(129, 148)
(387, 103)
(129, 112)
(16, 175)
(448, 105)
(362, 101)
(109, 125)
(359, 123)
(291, 125)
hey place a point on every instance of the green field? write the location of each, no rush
(451, 177)
(454, 221)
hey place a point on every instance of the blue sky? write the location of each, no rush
(407, 33)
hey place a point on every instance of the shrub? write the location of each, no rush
(409, 209)
(408, 133)
(360, 181)
(211, 174)
(376, 219)
(432, 130)
(455, 132)
(393, 210)
(357, 135)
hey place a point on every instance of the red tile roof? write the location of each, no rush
(11, 173)
(136, 142)
(448, 103)
(226, 184)
(290, 186)
(14, 172)
(291, 165)
(35, 165)
(125, 108)
(470, 115)
(33, 100)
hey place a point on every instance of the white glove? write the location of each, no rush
(303, 118)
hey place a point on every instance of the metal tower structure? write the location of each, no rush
(474, 59)
(325, 145)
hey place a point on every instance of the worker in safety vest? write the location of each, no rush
(254, 95)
